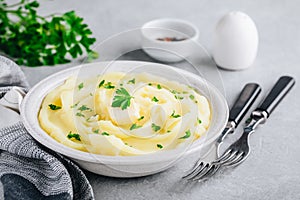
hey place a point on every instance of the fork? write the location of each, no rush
(239, 150)
(237, 112)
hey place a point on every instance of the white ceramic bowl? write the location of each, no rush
(169, 51)
(124, 166)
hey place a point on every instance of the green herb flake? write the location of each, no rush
(121, 99)
(54, 107)
(91, 94)
(134, 126)
(184, 92)
(80, 86)
(132, 81)
(149, 84)
(75, 105)
(174, 92)
(154, 99)
(96, 131)
(76, 136)
(108, 85)
(168, 131)
(80, 114)
(178, 97)
(105, 133)
(248, 120)
(101, 83)
(84, 108)
(187, 135)
(159, 86)
(174, 116)
(192, 97)
(142, 117)
(159, 146)
(199, 120)
(155, 128)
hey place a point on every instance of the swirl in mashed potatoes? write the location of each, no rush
(124, 114)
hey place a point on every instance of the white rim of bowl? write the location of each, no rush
(42, 137)
(173, 20)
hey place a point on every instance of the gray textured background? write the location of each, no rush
(272, 170)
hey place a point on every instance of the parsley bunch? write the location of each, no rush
(34, 40)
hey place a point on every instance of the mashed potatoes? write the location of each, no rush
(124, 114)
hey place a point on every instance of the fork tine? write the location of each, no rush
(242, 156)
(230, 158)
(224, 156)
(199, 171)
(198, 164)
(210, 172)
(203, 172)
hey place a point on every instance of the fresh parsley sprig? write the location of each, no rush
(121, 99)
(34, 40)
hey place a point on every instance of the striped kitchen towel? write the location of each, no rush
(27, 169)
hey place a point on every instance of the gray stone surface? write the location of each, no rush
(272, 169)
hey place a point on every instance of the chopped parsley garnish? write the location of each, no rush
(84, 108)
(154, 99)
(159, 146)
(192, 97)
(184, 92)
(76, 136)
(158, 86)
(54, 107)
(108, 85)
(142, 117)
(199, 120)
(149, 84)
(248, 120)
(122, 99)
(132, 81)
(96, 131)
(105, 133)
(75, 105)
(135, 126)
(178, 97)
(80, 114)
(154, 127)
(121, 84)
(174, 92)
(175, 116)
(101, 83)
(127, 144)
(168, 131)
(187, 135)
(91, 94)
(80, 86)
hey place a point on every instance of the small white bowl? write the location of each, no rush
(169, 51)
(125, 166)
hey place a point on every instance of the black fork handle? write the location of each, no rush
(243, 103)
(278, 92)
